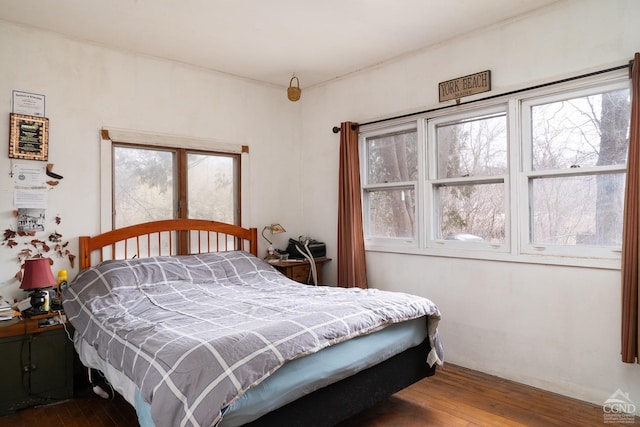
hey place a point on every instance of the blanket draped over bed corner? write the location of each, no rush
(195, 332)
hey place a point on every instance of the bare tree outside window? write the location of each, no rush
(150, 184)
(211, 187)
(143, 185)
(473, 147)
(580, 201)
(391, 213)
(392, 170)
(476, 149)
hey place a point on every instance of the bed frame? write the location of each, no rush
(324, 407)
(167, 237)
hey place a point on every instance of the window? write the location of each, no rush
(541, 173)
(152, 183)
(390, 183)
(470, 177)
(575, 170)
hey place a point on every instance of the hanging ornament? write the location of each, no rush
(293, 92)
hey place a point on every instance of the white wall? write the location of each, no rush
(553, 327)
(88, 87)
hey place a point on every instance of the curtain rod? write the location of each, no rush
(355, 126)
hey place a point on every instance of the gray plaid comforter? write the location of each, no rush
(195, 332)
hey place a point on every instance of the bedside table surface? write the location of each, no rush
(28, 325)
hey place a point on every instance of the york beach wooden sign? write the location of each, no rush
(465, 86)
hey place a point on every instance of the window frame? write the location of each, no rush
(180, 171)
(516, 246)
(527, 174)
(367, 188)
(433, 182)
(111, 136)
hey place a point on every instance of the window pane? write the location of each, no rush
(578, 210)
(476, 147)
(143, 185)
(392, 157)
(210, 192)
(391, 213)
(472, 212)
(585, 131)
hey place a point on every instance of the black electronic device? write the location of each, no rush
(309, 249)
(296, 248)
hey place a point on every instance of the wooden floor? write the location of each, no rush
(455, 396)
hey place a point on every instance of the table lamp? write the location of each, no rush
(37, 275)
(273, 229)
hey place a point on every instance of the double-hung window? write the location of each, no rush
(537, 177)
(573, 171)
(468, 178)
(390, 184)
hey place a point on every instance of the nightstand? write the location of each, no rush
(299, 270)
(37, 362)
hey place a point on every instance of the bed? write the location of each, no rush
(192, 328)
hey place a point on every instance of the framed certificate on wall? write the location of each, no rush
(28, 137)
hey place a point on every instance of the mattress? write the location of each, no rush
(293, 380)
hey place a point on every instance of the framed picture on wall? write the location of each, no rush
(28, 137)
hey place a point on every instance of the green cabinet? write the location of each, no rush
(36, 368)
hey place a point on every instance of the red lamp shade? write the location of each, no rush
(37, 274)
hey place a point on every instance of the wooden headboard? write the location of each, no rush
(167, 237)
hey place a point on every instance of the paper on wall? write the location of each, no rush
(30, 198)
(29, 175)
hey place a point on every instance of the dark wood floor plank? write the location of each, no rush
(466, 396)
(454, 397)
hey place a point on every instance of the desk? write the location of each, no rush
(299, 270)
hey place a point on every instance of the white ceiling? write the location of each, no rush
(268, 40)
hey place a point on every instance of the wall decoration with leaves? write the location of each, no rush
(29, 246)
